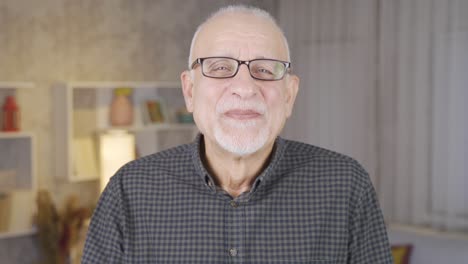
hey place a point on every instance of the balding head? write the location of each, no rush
(232, 16)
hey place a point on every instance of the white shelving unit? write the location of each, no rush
(82, 114)
(17, 164)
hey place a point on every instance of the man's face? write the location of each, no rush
(239, 114)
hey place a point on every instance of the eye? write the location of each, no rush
(264, 71)
(221, 68)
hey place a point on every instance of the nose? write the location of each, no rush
(243, 85)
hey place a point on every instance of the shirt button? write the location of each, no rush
(233, 252)
(234, 204)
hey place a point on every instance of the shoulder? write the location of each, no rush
(319, 165)
(160, 166)
(298, 154)
(165, 159)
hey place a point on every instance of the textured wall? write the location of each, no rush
(108, 40)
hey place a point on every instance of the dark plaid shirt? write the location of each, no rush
(310, 205)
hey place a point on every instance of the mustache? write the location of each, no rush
(226, 106)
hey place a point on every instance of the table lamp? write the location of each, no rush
(116, 147)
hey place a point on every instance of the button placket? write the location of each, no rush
(235, 228)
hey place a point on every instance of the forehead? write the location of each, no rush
(240, 35)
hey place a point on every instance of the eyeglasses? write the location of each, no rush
(225, 67)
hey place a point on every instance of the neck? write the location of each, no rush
(235, 174)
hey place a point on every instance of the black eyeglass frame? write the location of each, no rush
(197, 61)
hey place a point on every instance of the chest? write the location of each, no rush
(281, 227)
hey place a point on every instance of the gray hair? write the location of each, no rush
(238, 9)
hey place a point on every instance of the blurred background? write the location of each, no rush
(384, 81)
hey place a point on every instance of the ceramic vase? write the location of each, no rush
(121, 108)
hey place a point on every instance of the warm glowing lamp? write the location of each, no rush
(117, 147)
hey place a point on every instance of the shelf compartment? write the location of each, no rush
(82, 113)
(16, 162)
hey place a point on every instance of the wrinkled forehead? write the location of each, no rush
(240, 34)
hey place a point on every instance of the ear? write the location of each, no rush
(292, 87)
(187, 89)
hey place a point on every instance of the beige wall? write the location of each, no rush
(108, 40)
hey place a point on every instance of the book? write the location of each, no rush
(155, 111)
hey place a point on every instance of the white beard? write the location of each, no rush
(240, 137)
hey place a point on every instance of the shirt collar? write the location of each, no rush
(265, 176)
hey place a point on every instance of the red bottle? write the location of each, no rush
(10, 115)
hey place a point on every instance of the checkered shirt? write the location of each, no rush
(309, 205)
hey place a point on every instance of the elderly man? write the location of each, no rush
(239, 193)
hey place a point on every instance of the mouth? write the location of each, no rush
(242, 114)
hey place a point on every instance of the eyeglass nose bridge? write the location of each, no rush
(239, 64)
